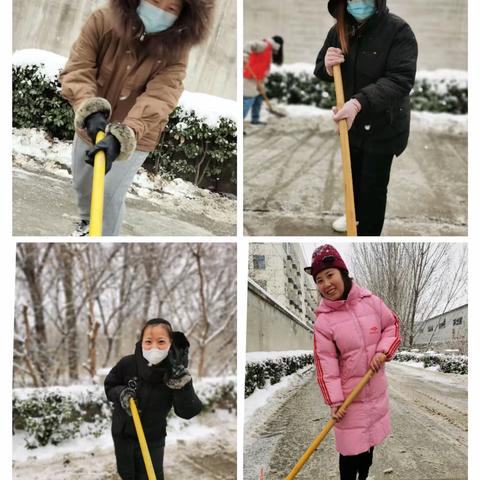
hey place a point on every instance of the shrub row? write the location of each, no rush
(50, 416)
(446, 363)
(273, 370)
(305, 89)
(189, 148)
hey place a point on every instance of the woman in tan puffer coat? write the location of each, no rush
(125, 76)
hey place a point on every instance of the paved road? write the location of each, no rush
(429, 440)
(293, 181)
(44, 205)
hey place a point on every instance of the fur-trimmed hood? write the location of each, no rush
(190, 29)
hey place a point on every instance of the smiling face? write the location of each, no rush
(156, 336)
(330, 284)
(171, 6)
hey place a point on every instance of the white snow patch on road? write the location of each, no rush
(79, 444)
(267, 395)
(430, 375)
(443, 123)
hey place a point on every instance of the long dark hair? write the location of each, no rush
(347, 284)
(342, 25)
(158, 321)
(277, 56)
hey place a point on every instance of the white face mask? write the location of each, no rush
(154, 356)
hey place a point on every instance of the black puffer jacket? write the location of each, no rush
(379, 71)
(154, 398)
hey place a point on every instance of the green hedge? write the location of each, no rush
(446, 363)
(50, 416)
(189, 148)
(305, 89)
(273, 370)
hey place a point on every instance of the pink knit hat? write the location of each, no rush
(325, 257)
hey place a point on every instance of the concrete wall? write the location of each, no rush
(270, 327)
(54, 25)
(440, 28)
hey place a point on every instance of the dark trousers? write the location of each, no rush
(351, 465)
(130, 464)
(371, 174)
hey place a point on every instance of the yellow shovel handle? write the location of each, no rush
(346, 160)
(142, 440)
(98, 189)
(321, 436)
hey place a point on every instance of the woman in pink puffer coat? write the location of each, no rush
(354, 331)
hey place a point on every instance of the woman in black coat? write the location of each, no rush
(156, 376)
(378, 53)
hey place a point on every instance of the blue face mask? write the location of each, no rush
(155, 19)
(360, 10)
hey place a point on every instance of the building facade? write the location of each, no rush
(448, 331)
(278, 269)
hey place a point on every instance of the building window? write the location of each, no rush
(430, 328)
(457, 321)
(259, 262)
(442, 324)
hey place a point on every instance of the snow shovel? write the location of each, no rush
(142, 440)
(345, 149)
(351, 397)
(263, 93)
(98, 188)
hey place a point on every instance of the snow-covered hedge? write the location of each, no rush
(51, 415)
(263, 367)
(440, 91)
(197, 145)
(445, 363)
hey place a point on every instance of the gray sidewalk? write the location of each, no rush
(293, 182)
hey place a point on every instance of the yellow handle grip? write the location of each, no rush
(142, 440)
(98, 189)
(346, 160)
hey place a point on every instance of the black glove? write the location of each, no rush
(110, 145)
(178, 355)
(94, 123)
(130, 391)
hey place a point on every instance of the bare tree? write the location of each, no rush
(415, 279)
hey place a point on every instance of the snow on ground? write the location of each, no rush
(444, 123)
(34, 151)
(431, 374)
(262, 397)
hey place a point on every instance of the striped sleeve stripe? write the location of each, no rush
(320, 379)
(397, 340)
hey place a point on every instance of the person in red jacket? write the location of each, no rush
(354, 331)
(257, 60)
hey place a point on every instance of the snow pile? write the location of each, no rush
(268, 368)
(440, 362)
(443, 78)
(49, 63)
(34, 151)
(209, 107)
(439, 79)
